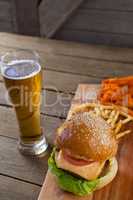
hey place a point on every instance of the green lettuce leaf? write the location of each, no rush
(69, 182)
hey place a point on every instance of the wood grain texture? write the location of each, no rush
(120, 187)
(55, 103)
(5, 10)
(85, 66)
(50, 124)
(95, 37)
(80, 65)
(102, 21)
(119, 5)
(72, 49)
(14, 18)
(16, 189)
(8, 123)
(6, 26)
(14, 164)
(6, 17)
(65, 82)
(27, 17)
(53, 15)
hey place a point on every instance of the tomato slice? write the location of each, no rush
(76, 161)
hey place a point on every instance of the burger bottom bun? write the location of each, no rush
(110, 175)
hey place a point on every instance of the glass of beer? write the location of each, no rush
(23, 79)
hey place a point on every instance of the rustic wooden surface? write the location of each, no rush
(54, 15)
(7, 16)
(101, 22)
(27, 18)
(88, 21)
(65, 65)
(120, 187)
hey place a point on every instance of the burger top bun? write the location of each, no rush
(87, 136)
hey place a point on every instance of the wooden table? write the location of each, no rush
(65, 65)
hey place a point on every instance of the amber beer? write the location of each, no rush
(23, 81)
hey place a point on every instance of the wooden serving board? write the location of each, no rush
(121, 188)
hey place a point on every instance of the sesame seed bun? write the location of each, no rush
(87, 136)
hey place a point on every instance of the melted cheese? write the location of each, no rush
(89, 172)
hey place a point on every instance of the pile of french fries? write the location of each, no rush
(113, 117)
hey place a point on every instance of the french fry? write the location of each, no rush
(118, 136)
(118, 127)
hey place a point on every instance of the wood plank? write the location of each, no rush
(100, 52)
(53, 15)
(65, 82)
(102, 21)
(6, 26)
(5, 10)
(87, 67)
(7, 16)
(14, 164)
(14, 18)
(27, 17)
(14, 189)
(3, 95)
(8, 123)
(55, 103)
(119, 188)
(113, 5)
(92, 37)
(50, 124)
(79, 65)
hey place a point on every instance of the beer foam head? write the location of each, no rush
(21, 69)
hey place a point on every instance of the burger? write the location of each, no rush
(83, 159)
